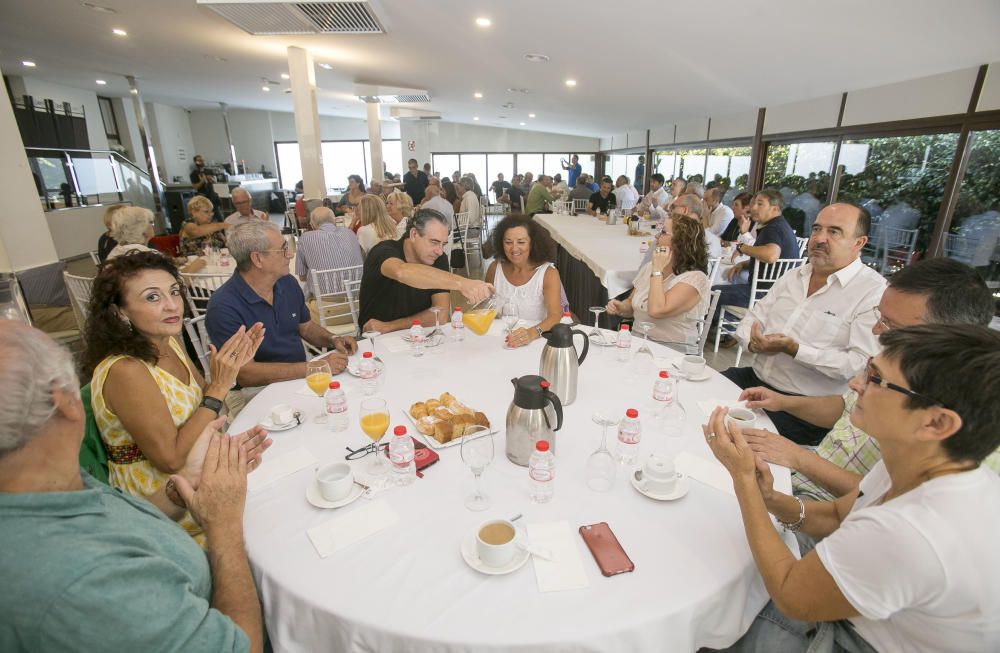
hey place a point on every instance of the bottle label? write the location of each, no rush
(629, 436)
(541, 475)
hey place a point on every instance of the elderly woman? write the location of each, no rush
(523, 273)
(671, 291)
(400, 207)
(132, 228)
(106, 242)
(376, 224)
(150, 402)
(200, 233)
(907, 561)
(352, 197)
(81, 553)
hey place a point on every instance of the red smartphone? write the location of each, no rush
(608, 553)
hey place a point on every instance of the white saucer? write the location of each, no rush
(472, 559)
(680, 488)
(705, 374)
(271, 426)
(314, 497)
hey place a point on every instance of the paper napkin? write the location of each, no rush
(273, 469)
(394, 343)
(709, 472)
(342, 532)
(565, 571)
(708, 405)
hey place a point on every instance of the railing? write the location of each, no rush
(66, 178)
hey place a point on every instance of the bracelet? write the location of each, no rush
(791, 528)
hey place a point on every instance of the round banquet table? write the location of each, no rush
(408, 588)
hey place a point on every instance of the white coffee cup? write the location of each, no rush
(495, 542)
(742, 417)
(282, 415)
(658, 474)
(693, 366)
(335, 481)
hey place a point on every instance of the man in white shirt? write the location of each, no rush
(244, 208)
(626, 196)
(813, 331)
(677, 188)
(433, 200)
(720, 215)
(656, 197)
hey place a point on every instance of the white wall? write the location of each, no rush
(77, 97)
(171, 132)
(937, 95)
(76, 231)
(817, 113)
(455, 137)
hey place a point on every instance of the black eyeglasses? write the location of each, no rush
(872, 377)
(355, 454)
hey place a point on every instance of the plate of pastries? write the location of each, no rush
(444, 420)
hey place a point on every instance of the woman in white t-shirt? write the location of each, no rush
(376, 224)
(523, 272)
(907, 561)
(672, 291)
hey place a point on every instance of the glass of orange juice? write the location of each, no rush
(318, 379)
(375, 422)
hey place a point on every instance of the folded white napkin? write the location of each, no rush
(342, 532)
(709, 472)
(394, 343)
(278, 467)
(565, 571)
(708, 405)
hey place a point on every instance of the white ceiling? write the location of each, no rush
(638, 63)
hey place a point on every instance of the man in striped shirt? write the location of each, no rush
(327, 247)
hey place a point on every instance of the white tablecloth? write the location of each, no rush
(407, 588)
(611, 254)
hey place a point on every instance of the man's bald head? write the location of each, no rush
(430, 192)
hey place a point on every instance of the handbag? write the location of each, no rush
(458, 257)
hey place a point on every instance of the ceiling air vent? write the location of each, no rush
(269, 18)
(376, 94)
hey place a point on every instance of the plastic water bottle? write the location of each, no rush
(629, 435)
(664, 388)
(457, 325)
(624, 343)
(669, 416)
(566, 318)
(336, 408)
(541, 470)
(417, 339)
(643, 247)
(368, 373)
(401, 451)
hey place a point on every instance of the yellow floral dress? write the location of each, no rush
(128, 468)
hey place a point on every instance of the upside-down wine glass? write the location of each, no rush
(477, 452)
(596, 335)
(601, 465)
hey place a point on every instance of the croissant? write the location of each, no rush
(432, 404)
(481, 420)
(442, 413)
(418, 410)
(426, 424)
(447, 398)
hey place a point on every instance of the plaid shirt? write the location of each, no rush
(853, 450)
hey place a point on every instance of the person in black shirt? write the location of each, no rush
(515, 193)
(741, 222)
(403, 278)
(203, 184)
(500, 186)
(415, 182)
(640, 173)
(603, 200)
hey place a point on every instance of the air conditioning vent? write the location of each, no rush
(376, 94)
(273, 18)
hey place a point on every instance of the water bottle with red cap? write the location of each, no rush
(629, 435)
(541, 470)
(401, 452)
(336, 408)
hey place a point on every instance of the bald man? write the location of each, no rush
(243, 204)
(433, 200)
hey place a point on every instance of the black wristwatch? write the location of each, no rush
(211, 403)
(739, 248)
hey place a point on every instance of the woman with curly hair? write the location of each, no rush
(523, 273)
(200, 232)
(351, 197)
(149, 401)
(376, 225)
(672, 291)
(400, 207)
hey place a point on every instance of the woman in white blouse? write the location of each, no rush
(523, 272)
(400, 208)
(376, 225)
(672, 291)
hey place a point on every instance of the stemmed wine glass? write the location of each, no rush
(596, 335)
(371, 335)
(318, 377)
(477, 453)
(644, 327)
(601, 465)
(437, 324)
(510, 316)
(375, 422)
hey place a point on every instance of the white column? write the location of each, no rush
(25, 240)
(142, 123)
(375, 140)
(303, 82)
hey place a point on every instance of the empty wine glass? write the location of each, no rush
(601, 465)
(644, 327)
(371, 335)
(437, 324)
(596, 335)
(477, 453)
(510, 316)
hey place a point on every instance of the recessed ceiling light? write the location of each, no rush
(99, 8)
(484, 22)
(285, 76)
(326, 66)
(101, 82)
(570, 82)
(28, 64)
(536, 58)
(119, 32)
(265, 88)
(531, 115)
(522, 124)
(475, 117)
(477, 95)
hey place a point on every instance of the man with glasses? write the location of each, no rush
(403, 279)
(262, 290)
(933, 291)
(245, 212)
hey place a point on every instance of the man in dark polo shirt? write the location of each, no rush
(415, 182)
(203, 183)
(262, 290)
(603, 200)
(403, 278)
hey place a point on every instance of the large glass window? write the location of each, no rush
(553, 164)
(730, 166)
(667, 163)
(445, 164)
(533, 163)
(801, 171)
(392, 157)
(340, 159)
(476, 164)
(289, 164)
(498, 164)
(974, 237)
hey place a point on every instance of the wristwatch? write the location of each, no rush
(211, 403)
(657, 273)
(739, 248)
(539, 330)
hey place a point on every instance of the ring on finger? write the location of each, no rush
(710, 437)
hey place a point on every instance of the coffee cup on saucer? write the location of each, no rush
(657, 475)
(693, 366)
(742, 417)
(335, 481)
(282, 415)
(495, 542)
